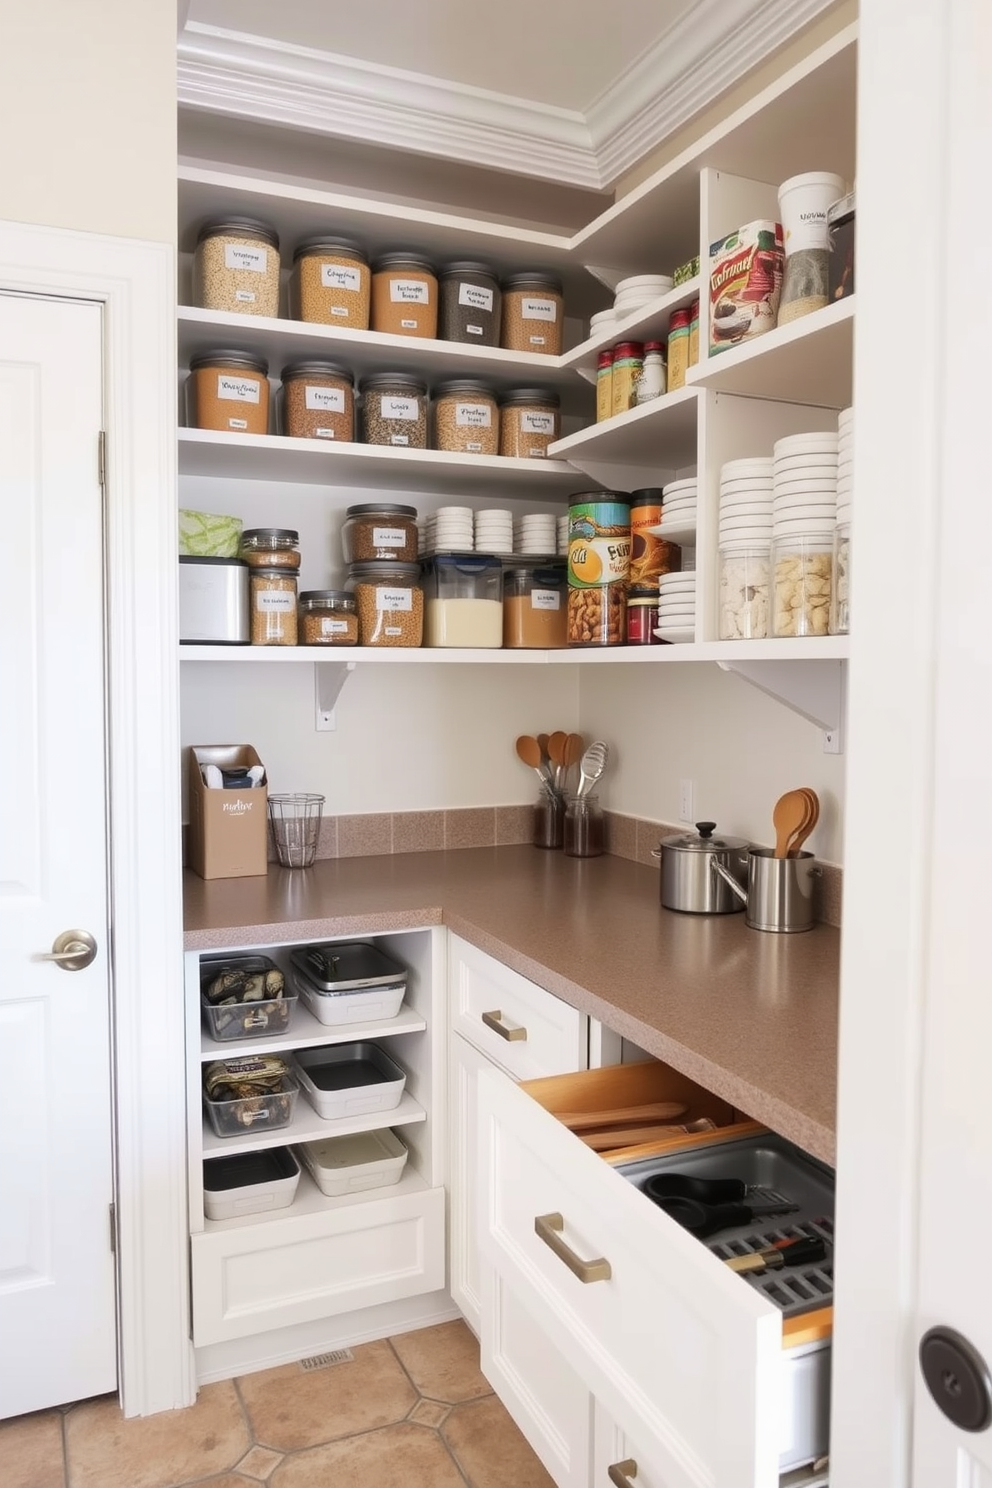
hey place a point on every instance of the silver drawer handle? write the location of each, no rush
(494, 1020)
(549, 1228)
(622, 1473)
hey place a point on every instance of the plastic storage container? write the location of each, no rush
(327, 617)
(533, 313)
(803, 204)
(356, 1162)
(802, 569)
(249, 1182)
(840, 606)
(390, 603)
(745, 591)
(584, 835)
(228, 391)
(236, 267)
(529, 421)
(840, 227)
(273, 606)
(271, 547)
(466, 418)
(394, 410)
(463, 601)
(234, 1002)
(535, 607)
(598, 568)
(642, 614)
(380, 532)
(318, 402)
(349, 1080)
(404, 295)
(348, 982)
(470, 304)
(331, 283)
(269, 1105)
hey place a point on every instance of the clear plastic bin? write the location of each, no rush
(233, 1118)
(258, 1018)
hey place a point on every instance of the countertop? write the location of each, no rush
(752, 1016)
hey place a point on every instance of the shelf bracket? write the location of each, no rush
(328, 678)
(815, 690)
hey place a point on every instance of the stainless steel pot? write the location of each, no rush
(689, 880)
(779, 893)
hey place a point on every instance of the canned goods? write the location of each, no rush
(628, 360)
(650, 555)
(598, 568)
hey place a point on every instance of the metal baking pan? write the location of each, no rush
(349, 1079)
(346, 966)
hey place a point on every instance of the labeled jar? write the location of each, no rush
(802, 571)
(380, 532)
(470, 304)
(535, 605)
(693, 333)
(270, 547)
(840, 606)
(628, 359)
(466, 418)
(273, 607)
(529, 422)
(650, 555)
(598, 569)
(745, 591)
(328, 618)
(404, 295)
(389, 601)
(331, 283)
(604, 386)
(642, 615)
(533, 314)
(394, 410)
(652, 382)
(228, 391)
(804, 202)
(678, 348)
(584, 834)
(318, 402)
(236, 267)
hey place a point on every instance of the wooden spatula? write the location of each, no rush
(788, 817)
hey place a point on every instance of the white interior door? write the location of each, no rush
(57, 1305)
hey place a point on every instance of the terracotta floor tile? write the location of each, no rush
(490, 1450)
(402, 1456)
(259, 1463)
(31, 1451)
(290, 1408)
(103, 1450)
(443, 1362)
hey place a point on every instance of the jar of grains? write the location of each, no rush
(470, 304)
(745, 582)
(466, 418)
(529, 421)
(533, 313)
(236, 267)
(534, 607)
(390, 603)
(331, 283)
(328, 618)
(380, 531)
(394, 410)
(273, 607)
(404, 295)
(228, 391)
(318, 401)
(802, 568)
(270, 547)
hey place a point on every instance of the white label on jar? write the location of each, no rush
(333, 627)
(336, 276)
(239, 256)
(537, 423)
(393, 599)
(409, 292)
(808, 231)
(531, 309)
(536, 340)
(537, 454)
(330, 400)
(244, 297)
(473, 416)
(392, 630)
(400, 439)
(239, 389)
(475, 330)
(340, 310)
(409, 325)
(323, 433)
(399, 408)
(475, 297)
(237, 423)
(388, 537)
(282, 602)
(545, 599)
(473, 447)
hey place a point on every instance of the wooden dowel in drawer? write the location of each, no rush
(622, 1115)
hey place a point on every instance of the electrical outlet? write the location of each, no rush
(687, 803)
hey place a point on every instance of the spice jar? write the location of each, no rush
(270, 547)
(380, 531)
(652, 381)
(535, 607)
(331, 283)
(533, 313)
(236, 267)
(693, 333)
(642, 615)
(318, 401)
(678, 348)
(584, 833)
(466, 418)
(273, 607)
(394, 410)
(328, 618)
(529, 421)
(604, 386)
(404, 295)
(840, 604)
(745, 582)
(229, 391)
(628, 359)
(390, 603)
(470, 304)
(802, 568)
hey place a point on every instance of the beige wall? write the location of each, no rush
(88, 116)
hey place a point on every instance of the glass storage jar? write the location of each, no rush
(745, 585)
(228, 391)
(535, 605)
(318, 401)
(404, 295)
(466, 418)
(470, 303)
(802, 567)
(529, 421)
(270, 547)
(584, 832)
(394, 410)
(642, 615)
(549, 818)
(533, 313)
(380, 531)
(840, 603)
(273, 607)
(331, 283)
(328, 618)
(463, 601)
(236, 267)
(390, 603)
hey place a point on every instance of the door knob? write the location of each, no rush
(958, 1378)
(72, 950)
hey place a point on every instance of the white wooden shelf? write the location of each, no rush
(799, 649)
(660, 435)
(307, 1126)
(310, 1200)
(647, 324)
(810, 360)
(306, 1032)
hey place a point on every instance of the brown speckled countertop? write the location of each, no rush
(751, 1016)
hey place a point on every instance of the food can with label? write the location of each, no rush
(650, 555)
(598, 568)
(628, 359)
(228, 391)
(604, 386)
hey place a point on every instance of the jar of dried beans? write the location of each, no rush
(236, 267)
(273, 607)
(270, 547)
(394, 410)
(328, 618)
(380, 531)
(331, 283)
(533, 313)
(390, 603)
(529, 421)
(228, 391)
(470, 304)
(318, 401)
(404, 295)
(466, 418)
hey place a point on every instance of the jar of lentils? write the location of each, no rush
(470, 304)
(228, 391)
(404, 295)
(533, 313)
(390, 603)
(328, 618)
(331, 283)
(318, 401)
(529, 421)
(380, 531)
(466, 418)
(270, 547)
(394, 410)
(273, 607)
(236, 267)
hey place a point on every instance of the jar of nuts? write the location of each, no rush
(328, 618)
(802, 570)
(394, 410)
(470, 304)
(380, 531)
(598, 569)
(404, 295)
(318, 401)
(390, 603)
(273, 607)
(466, 418)
(745, 585)
(236, 267)
(228, 391)
(533, 313)
(529, 421)
(271, 547)
(331, 283)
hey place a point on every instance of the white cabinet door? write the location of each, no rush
(465, 1284)
(525, 1029)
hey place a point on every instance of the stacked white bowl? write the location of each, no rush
(746, 488)
(676, 607)
(639, 290)
(494, 531)
(845, 464)
(562, 530)
(603, 320)
(450, 530)
(537, 533)
(678, 510)
(805, 485)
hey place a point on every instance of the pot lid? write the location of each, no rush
(704, 840)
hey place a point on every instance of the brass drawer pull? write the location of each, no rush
(494, 1020)
(622, 1473)
(549, 1228)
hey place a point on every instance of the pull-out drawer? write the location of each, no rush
(514, 1022)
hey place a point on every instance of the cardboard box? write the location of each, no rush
(228, 829)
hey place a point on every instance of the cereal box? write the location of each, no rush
(745, 284)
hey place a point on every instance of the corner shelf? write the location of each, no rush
(647, 324)
(810, 360)
(639, 445)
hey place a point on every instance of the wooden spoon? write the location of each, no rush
(572, 753)
(622, 1115)
(556, 754)
(788, 818)
(529, 751)
(812, 817)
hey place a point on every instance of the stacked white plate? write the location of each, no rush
(678, 511)
(451, 530)
(746, 488)
(845, 464)
(676, 607)
(639, 290)
(562, 529)
(494, 531)
(603, 320)
(805, 485)
(537, 533)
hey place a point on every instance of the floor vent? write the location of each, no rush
(324, 1361)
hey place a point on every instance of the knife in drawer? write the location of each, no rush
(790, 1253)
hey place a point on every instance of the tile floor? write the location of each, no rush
(407, 1412)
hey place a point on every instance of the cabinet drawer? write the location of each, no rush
(526, 1030)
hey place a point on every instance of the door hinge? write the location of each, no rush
(113, 1229)
(101, 458)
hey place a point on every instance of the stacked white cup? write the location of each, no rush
(805, 484)
(746, 493)
(639, 290)
(494, 531)
(845, 464)
(678, 510)
(676, 607)
(562, 528)
(746, 503)
(451, 530)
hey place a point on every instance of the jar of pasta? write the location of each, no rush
(318, 401)
(273, 607)
(331, 283)
(533, 313)
(404, 295)
(394, 410)
(328, 618)
(466, 417)
(529, 421)
(236, 267)
(228, 391)
(390, 603)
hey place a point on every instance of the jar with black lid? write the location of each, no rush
(328, 618)
(236, 266)
(318, 401)
(331, 282)
(228, 391)
(529, 422)
(404, 295)
(642, 615)
(394, 410)
(270, 547)
(533, 313)
(466, 417)
(380, 532)
(470, 303)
